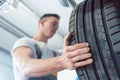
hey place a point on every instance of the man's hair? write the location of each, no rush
(50, 15)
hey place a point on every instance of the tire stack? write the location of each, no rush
(98, 23)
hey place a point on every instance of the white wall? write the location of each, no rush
(6, 71)
(67, 75)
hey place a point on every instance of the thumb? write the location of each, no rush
(67, 39)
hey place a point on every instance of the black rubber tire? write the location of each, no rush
(98, 22)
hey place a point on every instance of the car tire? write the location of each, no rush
(98, 23)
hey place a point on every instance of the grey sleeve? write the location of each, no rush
(23, 42)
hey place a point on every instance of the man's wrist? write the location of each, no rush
(60, 62)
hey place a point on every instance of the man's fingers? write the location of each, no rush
(83, 63)
(81, 57)
(79, 52)
(77, 46)
(67, 39)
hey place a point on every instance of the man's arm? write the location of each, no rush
(72, 57)
(24, 59)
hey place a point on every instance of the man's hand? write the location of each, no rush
(75, 56)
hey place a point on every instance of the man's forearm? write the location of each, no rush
(42, 67)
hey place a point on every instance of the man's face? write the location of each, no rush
(50, 26)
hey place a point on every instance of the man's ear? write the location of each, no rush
(42, 22)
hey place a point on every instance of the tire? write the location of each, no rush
(98, 23)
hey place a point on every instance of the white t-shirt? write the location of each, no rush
(46, 53)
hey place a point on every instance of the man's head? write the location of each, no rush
(49, 24)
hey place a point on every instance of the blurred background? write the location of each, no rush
(19, 18)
